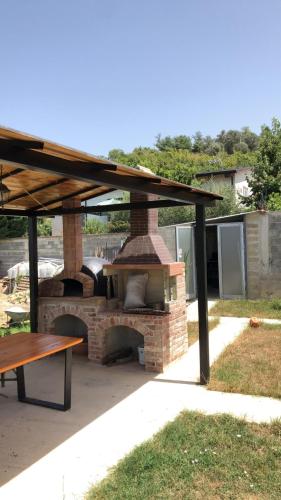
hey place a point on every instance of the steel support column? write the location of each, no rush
(201, 273)
(33, 272)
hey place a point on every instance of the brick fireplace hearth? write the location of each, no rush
(161, 324)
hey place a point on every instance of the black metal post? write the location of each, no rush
(21, 383)
(33, 272)
(67, 379)
(201, 273)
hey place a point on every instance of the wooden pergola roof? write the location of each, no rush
(41, 174)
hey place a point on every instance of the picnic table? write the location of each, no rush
(19, 349)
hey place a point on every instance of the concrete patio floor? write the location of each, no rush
(45, 454)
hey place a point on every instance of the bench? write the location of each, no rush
(19, 349)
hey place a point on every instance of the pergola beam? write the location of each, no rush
(117, 207)
(100, 174)
(109, 208)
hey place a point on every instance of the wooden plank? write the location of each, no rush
(37, 190)
(62, 198)
(22, 348)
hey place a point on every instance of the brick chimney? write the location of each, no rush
(144, 245)
(72, 238)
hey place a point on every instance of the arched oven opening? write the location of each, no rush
(72, 326)
(121, 344)
(72, 288)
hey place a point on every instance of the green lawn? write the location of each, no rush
(200, 457)
(251, 365)
(248, 308)
(25, 327)
(192, 329)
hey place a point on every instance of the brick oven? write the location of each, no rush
(69, 304)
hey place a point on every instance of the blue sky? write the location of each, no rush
(104, 74)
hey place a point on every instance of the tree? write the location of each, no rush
(227, 206)
(228, 139)
(13, 227)
(177, 142)
(44, 226)
(243, 140)
(249, 138)
(94, 226)
(266, 175)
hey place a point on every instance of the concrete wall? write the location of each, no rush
(15, 250)
(263, 254)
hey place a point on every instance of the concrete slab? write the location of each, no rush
(53, 456)
(192, 309)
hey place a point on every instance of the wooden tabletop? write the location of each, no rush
(22, 348)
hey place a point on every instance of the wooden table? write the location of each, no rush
(22, 348)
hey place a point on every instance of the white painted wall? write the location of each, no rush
(241, 183)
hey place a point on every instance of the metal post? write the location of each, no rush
(33, 272)
(67, 378)
(201, 273)
(21, 383)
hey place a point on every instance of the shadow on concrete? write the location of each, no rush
(28, 432)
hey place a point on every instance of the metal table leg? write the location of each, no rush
(66, 405)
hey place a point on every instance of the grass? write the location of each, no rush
(25, 327)
(248, 308)
(198, 457)
(192, 329)
(251, 365)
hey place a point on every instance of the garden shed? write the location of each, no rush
(243, 255)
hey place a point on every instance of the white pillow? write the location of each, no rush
(135, 291)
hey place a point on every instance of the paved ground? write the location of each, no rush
(49, 455)
(192, 309)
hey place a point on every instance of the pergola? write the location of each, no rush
(37, 176)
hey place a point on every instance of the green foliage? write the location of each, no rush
(94, 226)
(13, 227)
(44, 226)
(179, 215)
(266, 176)
(243, 140)
(181, 165)
(177, 142)
(274, 202)
(119, 226)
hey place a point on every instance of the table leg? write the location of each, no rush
(66, 405)
(21, 383)
(67, 378)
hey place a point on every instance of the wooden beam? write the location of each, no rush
(13, 172)
(33, 272)
(26, 144)
(36, 190)
(13, 212)
(201, 274)
(118, 207)
(65, 197)
(83, 171)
